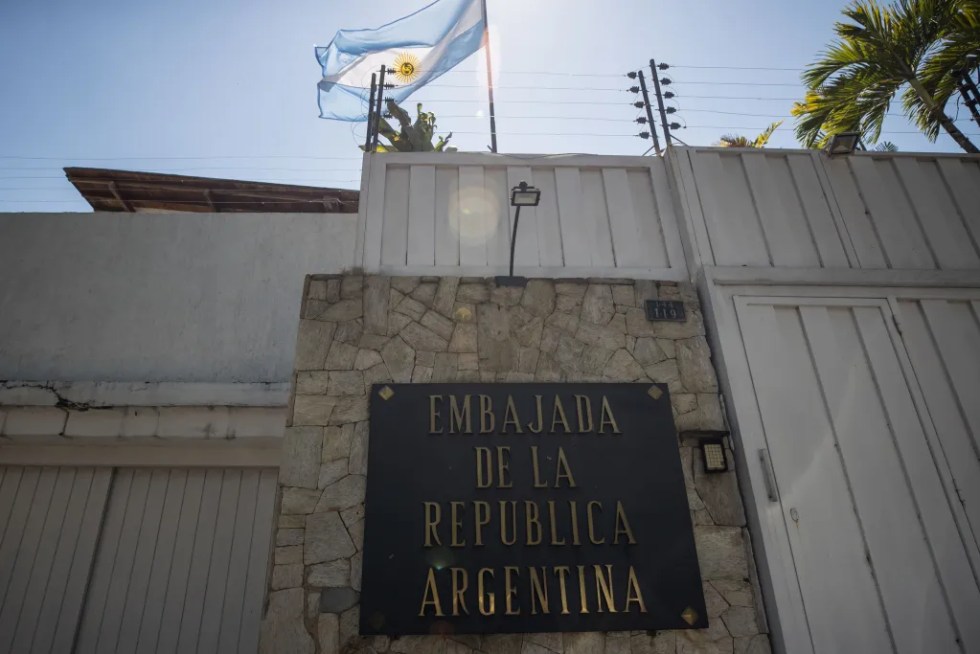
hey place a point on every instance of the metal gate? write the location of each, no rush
(133, 559)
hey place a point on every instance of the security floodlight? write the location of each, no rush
(524, 196)
(843, 143)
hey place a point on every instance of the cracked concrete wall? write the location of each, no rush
(159, 297)
(357, 331)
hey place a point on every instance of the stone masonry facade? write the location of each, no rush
(361, 330)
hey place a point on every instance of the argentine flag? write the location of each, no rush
(420, 47)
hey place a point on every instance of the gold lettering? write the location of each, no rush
(559, 412)
(633, 593)
(603, 588)
(561, 571)
(539, 413)
(484, 467)
(536, 469)
(433, 514)
(592, 521)
(623, 526)
(460, 420)
(584, 410)
(503, 467)
(431, 590)
(539, 591)
(434, 414)
(583, 604)
(482, 512)
(486, 415)
(485, 601)
(563, 471)
(455, 508)
(510, 590)
(532, 522)
(553, 521)
(461, 581)
(510, 417)
(573, 512)
(606, 417)
(503, 522)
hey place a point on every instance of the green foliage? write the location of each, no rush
(412, 137)
(880, 53)
(738, 141)
(886, 146)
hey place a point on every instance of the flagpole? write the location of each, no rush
(486, 40)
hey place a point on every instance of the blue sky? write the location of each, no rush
(227, 88)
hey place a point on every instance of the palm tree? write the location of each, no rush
(413, 137)
(960, 39)
(739, 141)
(879, 54)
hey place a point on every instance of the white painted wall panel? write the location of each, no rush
(859, 481)
(598, 216)
(175, 569)
(49, 521)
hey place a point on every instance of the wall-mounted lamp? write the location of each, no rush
(521, 195)
(843, 143)
(713, 454)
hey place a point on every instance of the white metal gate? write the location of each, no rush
(868, 546)
(133, 559)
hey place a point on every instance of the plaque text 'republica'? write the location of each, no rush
(562, 589)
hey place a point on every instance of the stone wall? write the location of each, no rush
(357, 331)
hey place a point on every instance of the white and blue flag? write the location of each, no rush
(420, 47)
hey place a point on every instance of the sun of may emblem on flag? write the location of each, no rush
(406, 67)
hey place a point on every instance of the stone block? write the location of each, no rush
(740, 621)
(331, 472)
(291, 521)
(356, 563)
(351, 286)
(624, 294)
(376, 292)
(335, 574)
(463, 338)
(719, 492)
(285, 537)
(445, 295)
(312, 382)
(721, 553)
(694, 362)
(438, 324)
(366, 359)
(549, 642)
(347, 382)
(357, 464)
(758, 644)
(588, 642)
(312, 410)
(399, 358)
(473, 293)
(349, 625)
(735, 591)
(349, 332)
(506, 296)
(342, 494)
(618, 642)
(405, 285)
(425, 293)
(326, 539)
(297, 501)
(312, 344)
(287, 576)
(597, 305)
(411, 308)
(648, 352)
(341, 311)
(338, 600)
(300, 464)
(423, 338)
(340, 357)
(539, 297)
(336, 442)
(328, 633)
(289, 554)
(95, 423)
(622, 366)
(603, 336)
(350, 409)
(282, 628)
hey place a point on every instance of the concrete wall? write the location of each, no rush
(167, 297)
